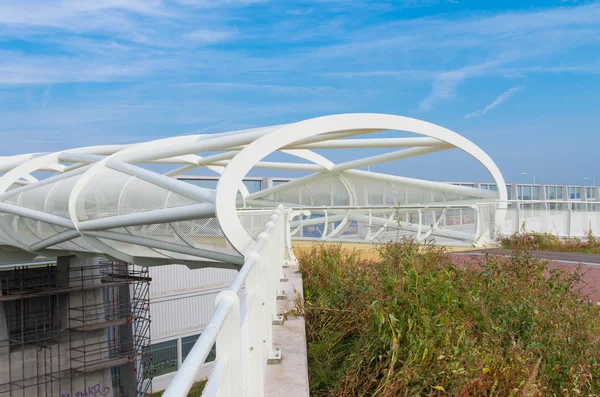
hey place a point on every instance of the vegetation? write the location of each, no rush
(416, 324)
(550, 242)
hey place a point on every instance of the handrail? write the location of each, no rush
(260, 274)
(570, 201)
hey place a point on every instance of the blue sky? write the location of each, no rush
(519, 78)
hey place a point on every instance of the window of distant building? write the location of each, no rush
(252, 185)
(554, 192)
(188, 342)
(205, 183)
(528, 192)
(574, 192)
(590, 193)
(165, 357)
(279, 182)
(489, 186)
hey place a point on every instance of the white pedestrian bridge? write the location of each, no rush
(125, 201)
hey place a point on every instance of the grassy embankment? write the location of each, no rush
(415, 324)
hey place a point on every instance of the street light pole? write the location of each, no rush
(527, 173)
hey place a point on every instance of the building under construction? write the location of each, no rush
(74, 328)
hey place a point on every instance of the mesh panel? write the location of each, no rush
(102, 195)
(140, 196)
(16, 224)
(58, 202)
(329, 191)
(35, 198)
(254, 222)
(13, 200)
(132, 250)
(294, 195)
(203, 233)
(197, 233)
(178, 200)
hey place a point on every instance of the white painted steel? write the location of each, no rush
(111, 200)
(260, 273)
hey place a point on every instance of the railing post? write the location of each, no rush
(255, 322)
(325, 226)
(478, 225)
(229, 346)
(420, 225)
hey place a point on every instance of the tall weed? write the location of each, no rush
(549, 242)
(416, 324)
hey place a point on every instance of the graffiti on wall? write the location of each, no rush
(92, 391)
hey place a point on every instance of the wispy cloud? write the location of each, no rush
(446, 83)
(271, 88)
(253, 62)
(208, 36)
(496, 102)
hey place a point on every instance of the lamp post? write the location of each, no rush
(593, 180)
(527, 173)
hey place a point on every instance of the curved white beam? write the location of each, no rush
(287, 135)
(102, 200)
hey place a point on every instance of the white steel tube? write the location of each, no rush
(202, 161)
(177, 186)
(148, 242)
(186, 375)
(372, 143)
(384, 158)
(437, 186)
(44, 182)
(37, 215)
(172, 214)
(282, 166)
(56, 239)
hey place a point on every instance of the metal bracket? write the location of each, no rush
(282, 295)
(278, 320)
(274, 356)
(283, 278)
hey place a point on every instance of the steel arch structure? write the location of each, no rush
(118, 200)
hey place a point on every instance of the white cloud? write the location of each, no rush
(17, 69)
(446, 83)
(496, 102)
(273, 88)
(207, 36)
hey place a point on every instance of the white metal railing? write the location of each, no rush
(471, 223)
(562, 218)
(450, 222)
(242, 332)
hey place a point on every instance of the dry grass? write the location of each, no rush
(413, 324)
(550, 242)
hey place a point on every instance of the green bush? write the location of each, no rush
(416, 324)
(549, 242)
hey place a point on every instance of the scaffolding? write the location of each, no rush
(68, 329)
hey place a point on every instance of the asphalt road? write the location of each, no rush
(590, 265)
(592, 260)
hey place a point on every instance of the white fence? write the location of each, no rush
(561, 218)
(449, 224)
(242, 332)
